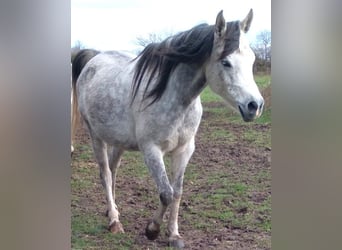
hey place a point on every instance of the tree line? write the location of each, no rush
(262, 49)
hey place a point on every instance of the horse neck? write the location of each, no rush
(187, 82)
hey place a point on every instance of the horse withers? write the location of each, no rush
(151, 103)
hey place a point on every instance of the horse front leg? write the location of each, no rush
(154, 160)
(179, 161)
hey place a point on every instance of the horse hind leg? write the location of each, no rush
(114, 155)
(100, 151)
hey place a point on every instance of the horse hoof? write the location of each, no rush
(152, 230)
(116, 227)
(177, 244)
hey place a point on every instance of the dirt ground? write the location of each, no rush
(246, 160)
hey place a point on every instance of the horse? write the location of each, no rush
(151, 103)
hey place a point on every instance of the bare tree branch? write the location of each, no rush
(143, 41)
(262, 50)
(264, 37)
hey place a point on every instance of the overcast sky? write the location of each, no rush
(114, 25)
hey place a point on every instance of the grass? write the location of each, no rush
(84, 228)
(84, 149)
(264, 220)
(258, 138)
(208, 96)
(215, 200)
(262, 80)
(230, 204)
(88, 228)
(265, 118)
(220, 134)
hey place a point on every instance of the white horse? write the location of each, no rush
(152, 104)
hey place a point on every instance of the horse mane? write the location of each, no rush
(158, 60)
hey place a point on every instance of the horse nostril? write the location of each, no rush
(252, 107)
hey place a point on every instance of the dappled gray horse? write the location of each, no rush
(152, 104)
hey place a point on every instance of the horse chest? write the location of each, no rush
(178, 132)
(175, 138)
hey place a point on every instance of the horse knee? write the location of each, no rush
(177, 194)
(166, 197)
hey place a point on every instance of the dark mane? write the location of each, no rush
(158, 60)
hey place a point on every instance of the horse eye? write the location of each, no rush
(226, 63)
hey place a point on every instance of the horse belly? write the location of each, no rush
(113, 123)
(109, 118)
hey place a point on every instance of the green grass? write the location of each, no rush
(84, 228)
(262, 80)
(136, 166)
(87, 228)
(208, 95)
(258, 138)
(265, 118)
(231, 206)
(221, 134)
(238, 189)
(230, 203)
(264, 220)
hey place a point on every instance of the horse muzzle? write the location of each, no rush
(251, 110)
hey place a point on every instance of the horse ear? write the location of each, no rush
(220, 26)
(246, 23)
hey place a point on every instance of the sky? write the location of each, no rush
(115, 25)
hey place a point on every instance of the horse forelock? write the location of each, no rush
(158, 60)
(232, 38)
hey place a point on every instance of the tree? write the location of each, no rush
(264, 37)
(262, 50)
(150, 38)
(143, 41)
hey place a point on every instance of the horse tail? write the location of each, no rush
(78, 60)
